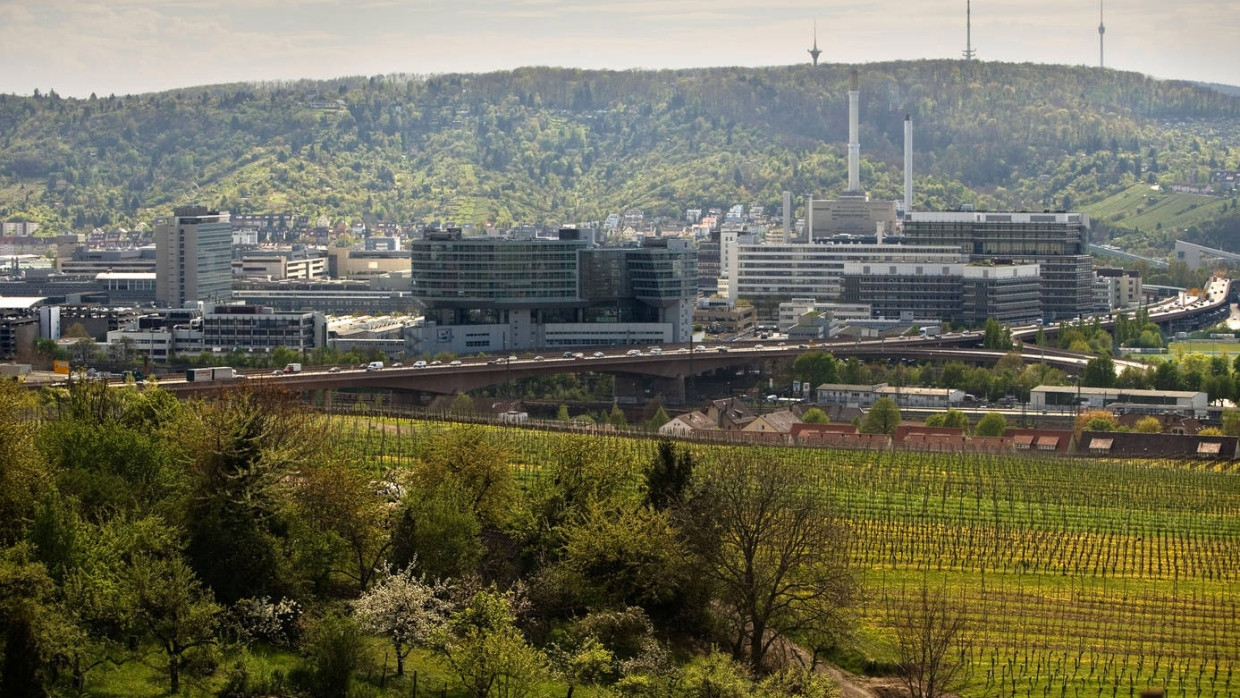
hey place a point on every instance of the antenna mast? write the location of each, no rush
(814, 52)
(969, 53)
(1101, 31)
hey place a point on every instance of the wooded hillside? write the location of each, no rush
(555, 145)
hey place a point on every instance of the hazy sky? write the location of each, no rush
(125, 46)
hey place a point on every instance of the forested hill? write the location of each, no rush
(545, 144)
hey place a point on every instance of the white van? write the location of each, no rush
(374, 365)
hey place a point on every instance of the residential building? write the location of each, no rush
(193, 257)
(1057, 242)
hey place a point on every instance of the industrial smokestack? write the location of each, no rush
(908, 165)
(854, 144)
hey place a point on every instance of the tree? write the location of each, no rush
(1099, 373)
(483, 647)
(768, 540)
(616, 417)
(462, 404)
(24, 476)
(668, 476)
(930, 645)
(405, 609)
(882, 418)
(815, 415)
(587, 663)
(1231, 422)
(477, 462)
(1095, 420)
(75, 331)
(1148, 425)
(951, 418)
(991, 424)
(173, 607)
(243, 445)
(658, 419)
(816, 368)
(562, 414)
(996, 335)
(439, 529)
(338, 500)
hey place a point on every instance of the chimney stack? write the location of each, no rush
(854, 144)
(908, 165)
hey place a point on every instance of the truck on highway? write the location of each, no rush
(292, 368)
(213, 374)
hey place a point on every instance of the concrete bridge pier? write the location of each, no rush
(637, 389)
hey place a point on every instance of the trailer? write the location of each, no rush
(212, 375)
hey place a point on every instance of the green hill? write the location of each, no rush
(553, 145)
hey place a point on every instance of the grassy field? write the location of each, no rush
(1140, 207)
(1081, 577)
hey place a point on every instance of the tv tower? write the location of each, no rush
(814, 52)
(1101, 31)
(969, 53)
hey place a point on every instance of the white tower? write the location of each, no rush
(854, 143)
(908, 166)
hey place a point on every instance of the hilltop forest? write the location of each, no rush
(549, 145)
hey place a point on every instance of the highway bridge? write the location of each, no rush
(667, 367)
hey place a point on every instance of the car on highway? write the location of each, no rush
(334, 369)
(418, 364)
(633, 352)
(538, 358)
(599, 355)
(455, 362)
(398, 364)
(512, 358)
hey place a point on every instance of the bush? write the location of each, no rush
(333, 654)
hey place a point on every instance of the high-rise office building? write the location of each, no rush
(193, 257)
(501, 295)
(1057, 242)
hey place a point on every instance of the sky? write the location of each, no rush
(77, 47)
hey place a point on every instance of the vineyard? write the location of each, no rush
(1078, 578)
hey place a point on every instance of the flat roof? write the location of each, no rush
(126, 275)
(1117, 392)
(20, 302)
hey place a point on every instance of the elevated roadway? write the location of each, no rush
(674, 363)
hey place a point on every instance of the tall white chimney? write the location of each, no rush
(788, 216)
(908, 165)
(854, 144)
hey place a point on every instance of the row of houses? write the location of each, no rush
(730, 420)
